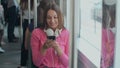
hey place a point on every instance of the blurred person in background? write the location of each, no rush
(12, 20)
(2, 22)
(25, 22)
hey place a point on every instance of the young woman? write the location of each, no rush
(30, 28)
(48, 53)
(25, 16)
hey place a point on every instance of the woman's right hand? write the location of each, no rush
(45, 46)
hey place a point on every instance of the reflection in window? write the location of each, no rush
(108, 35)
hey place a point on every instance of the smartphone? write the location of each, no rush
(51, 37)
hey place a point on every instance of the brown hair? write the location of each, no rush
(40, 10)
(59, 14)
(45, 3)
(108, 11)
(24, 4)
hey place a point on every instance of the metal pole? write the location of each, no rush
(35, 13)
(29, 10)
(29, 64)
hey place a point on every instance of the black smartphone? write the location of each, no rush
(51, 37)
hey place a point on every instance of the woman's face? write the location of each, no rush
(52, 19)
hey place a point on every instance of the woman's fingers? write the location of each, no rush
(47, 44)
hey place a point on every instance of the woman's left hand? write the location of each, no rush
(54, 44)
(57, 48)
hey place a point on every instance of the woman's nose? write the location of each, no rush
(52, 20)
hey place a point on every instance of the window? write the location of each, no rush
(90, 19)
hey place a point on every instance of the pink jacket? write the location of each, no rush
(51, 59)
(108, 44)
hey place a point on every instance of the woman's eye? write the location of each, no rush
(48, 17)
(55, 17)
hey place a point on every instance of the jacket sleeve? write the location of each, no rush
(64, 58)
(35, 46)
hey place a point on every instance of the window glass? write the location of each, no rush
(91, 18)
(89, 45)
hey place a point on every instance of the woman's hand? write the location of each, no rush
(50, 43)
(54, 45)
(57, 48)
(45, 46)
